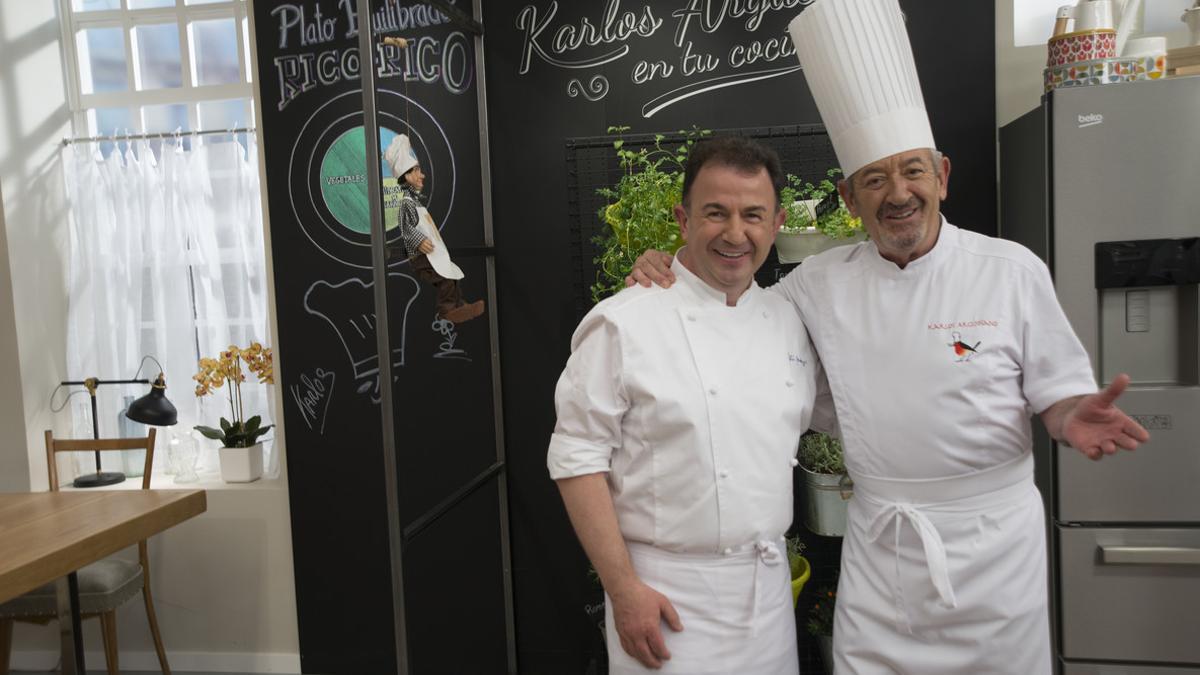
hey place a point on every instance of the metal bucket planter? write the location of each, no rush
(827, 496)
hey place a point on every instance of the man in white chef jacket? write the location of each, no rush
(938, 342)
(679, 416)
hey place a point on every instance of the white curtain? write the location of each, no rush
(166, 259)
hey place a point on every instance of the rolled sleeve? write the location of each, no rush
(1056, 365)
(589, 400)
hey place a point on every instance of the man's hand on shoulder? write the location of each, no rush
(638, 612)
(652, 267)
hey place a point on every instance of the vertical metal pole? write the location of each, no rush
(485, 164)
(70, 625)
(366, 54)
(95, 427)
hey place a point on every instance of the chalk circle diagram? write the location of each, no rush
(327, 182)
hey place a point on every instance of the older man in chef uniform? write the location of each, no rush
(938, 342)
(679, 416)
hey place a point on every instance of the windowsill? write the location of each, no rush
(207, 481)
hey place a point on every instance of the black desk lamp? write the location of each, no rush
(153, 409)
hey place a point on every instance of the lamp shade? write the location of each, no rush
(154, 408)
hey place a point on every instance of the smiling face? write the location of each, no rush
(899, 200)
(729, 221)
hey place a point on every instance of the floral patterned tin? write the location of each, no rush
(1084, 45)
(1105, 71)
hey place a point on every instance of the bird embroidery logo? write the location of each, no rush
(962, 350)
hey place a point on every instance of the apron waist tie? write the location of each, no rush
(769, 555)
(931, 541)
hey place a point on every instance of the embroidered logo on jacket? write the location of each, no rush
(796, 359)
(962, 350)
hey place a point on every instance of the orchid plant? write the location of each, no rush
(238, 432)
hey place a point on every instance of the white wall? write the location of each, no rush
(224, 585)
(14, 469)
(33, 117)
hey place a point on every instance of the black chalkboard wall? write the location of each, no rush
(556, 72)
(313, 145)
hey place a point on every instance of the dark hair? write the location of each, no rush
(738, 152)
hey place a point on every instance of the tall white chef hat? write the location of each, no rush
(859, 66)
(400, 156)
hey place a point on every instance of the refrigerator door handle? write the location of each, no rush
(1149, 555)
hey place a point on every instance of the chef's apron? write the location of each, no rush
(439, 258)
(923, 563)
(736, 610)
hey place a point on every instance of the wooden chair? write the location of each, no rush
(103, 585)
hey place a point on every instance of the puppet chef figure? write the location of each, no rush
(422, 242)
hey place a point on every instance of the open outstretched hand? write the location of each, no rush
(1097, 428)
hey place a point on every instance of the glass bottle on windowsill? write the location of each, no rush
(134, 460)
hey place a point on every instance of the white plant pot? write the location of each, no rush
(826, 496)
(794, 247)
(242, 465)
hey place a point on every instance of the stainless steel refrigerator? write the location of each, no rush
(1103, 183)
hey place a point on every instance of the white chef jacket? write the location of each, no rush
(909, 405)
(693, 408)
(934, 370)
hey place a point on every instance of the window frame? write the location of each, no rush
(189, 94)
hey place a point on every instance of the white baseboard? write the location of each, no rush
(205, 662)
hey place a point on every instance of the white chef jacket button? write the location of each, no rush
(795, 462)
(766, 316)
(728, 551)
(789, 383)
(691, 317)
(712, 391)
(724, 474)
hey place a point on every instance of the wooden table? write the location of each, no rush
(47, 536)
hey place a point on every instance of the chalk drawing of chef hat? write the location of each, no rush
(349, 308)
(859, 67)
(400, 156)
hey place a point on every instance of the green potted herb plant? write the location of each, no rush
(828, 488)
(808, 228)
(798, 565)
(640, 210)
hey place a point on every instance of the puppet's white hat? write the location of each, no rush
(400, 156)
(859, 66)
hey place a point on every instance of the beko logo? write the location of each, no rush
(1090, 120)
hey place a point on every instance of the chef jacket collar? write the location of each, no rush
(947, 237)
(702, 291)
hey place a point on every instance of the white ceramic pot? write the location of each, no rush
(1191, 17)
(242, 465)
(794, 247)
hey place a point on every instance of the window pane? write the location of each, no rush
(225, 115)
(246, 47)
(165, 119)
(94, 5)
(157, 48)
(101, 60)
(202, 2)
(107, 122)
(214, 51)
(143, 4)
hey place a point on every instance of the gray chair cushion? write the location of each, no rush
(103, 586)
